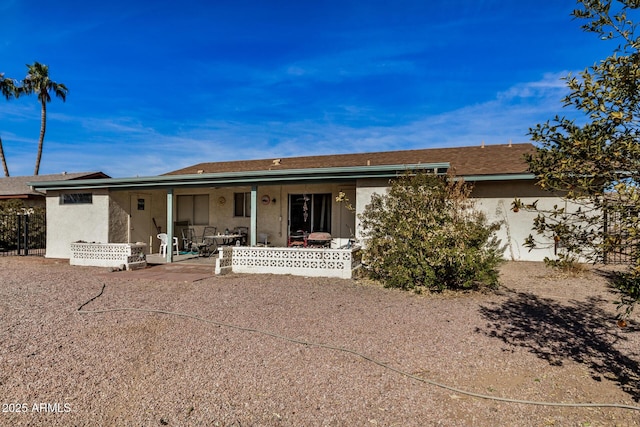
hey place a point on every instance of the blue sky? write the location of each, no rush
(158, 85)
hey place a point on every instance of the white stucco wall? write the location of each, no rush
(365, 189)
(494, 199)
(516, 227)
(73, 222)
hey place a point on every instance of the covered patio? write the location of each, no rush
(273, 206)
(291, 222)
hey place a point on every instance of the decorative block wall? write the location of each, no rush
(131, 255)
(223, 261)
(312, 262)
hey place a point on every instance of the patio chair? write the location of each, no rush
(163, 244)
(297, 239)
(263, 239)
(178, 229)
(189, 241)
(209, 244)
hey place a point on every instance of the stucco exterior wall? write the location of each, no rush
(118, 217)
(494, 199)
(517, 226)
(73, 222)
(365, 189)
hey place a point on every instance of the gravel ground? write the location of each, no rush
(543, 337)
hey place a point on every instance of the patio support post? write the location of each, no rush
(254, 215)
(170, 225)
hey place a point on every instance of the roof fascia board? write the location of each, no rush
(502, 177)
(237, 178)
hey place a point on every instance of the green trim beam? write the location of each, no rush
(241, 178)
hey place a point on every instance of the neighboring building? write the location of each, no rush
(278, 197)
(18, 187)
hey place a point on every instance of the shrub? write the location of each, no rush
(426, 233)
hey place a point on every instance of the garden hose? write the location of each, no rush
(355, 353)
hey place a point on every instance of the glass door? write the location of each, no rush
(309, 213)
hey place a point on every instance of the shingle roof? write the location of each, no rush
(16, 186)
(465, 161)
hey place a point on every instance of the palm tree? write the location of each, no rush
(4, 161)
(38, 81)
(8, 89)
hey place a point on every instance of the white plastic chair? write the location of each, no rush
(163, 244)
(263, 239)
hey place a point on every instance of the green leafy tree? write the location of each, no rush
(8, 89)
(426, 233)
(37, 81)
(595, 164)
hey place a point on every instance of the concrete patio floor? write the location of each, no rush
(191, 270)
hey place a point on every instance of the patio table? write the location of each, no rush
(226, 239)
(319, 239)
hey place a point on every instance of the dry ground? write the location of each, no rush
(543, 337)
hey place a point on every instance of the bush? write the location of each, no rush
(425, 233)
(627, 286)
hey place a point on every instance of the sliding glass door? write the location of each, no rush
(309, 212)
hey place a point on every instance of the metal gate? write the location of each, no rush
(621, 248)
(23, 234)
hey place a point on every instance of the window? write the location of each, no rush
(194, 209)
(76, 198)
(242, 204)
(310, 212)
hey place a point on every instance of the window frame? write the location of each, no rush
(193, 207)
(246, 204)
(76, 199)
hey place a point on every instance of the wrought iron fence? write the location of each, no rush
(23, 234)
(621, 248)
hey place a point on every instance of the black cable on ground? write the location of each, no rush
(96, 297)
(356, 353)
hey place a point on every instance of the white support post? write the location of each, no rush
(170, 225)
(254, 215)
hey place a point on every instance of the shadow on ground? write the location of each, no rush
(578, 330)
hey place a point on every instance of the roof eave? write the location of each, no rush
(500, 177)
(241, 178)
(269, 177)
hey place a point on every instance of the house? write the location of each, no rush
(18, 187)
(274, 198)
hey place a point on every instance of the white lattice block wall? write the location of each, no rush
(131, 255)
(223, 261)
(312, 262)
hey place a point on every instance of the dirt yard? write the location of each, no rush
(243, 350)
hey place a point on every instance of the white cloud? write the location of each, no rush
(123, 146)
(550, 85)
